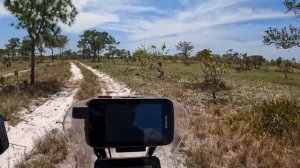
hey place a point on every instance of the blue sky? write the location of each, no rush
(216, 24)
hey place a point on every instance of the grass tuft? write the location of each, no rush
(48, 151)
(90, 86)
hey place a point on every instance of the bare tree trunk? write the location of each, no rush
(61, 54)
(285, 73)
(41, 57)
(52, 56)
(94, 57)
(32, 80)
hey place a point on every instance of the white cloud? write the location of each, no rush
(198, 19)
(3, 11)
(88, 20)
(100, 13)
(242, 38)
(215, 24)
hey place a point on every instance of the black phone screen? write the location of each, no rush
(133, 122)
(130, 122)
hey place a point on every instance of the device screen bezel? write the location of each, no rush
(97, 137)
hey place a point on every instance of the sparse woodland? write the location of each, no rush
(245, 109)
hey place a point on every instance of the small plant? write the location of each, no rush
(197, 158)
(2, 82)
(279, 118)
(213, 69)
(48, 151)
(16, 74)
(149, 58)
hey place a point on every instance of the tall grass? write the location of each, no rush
(90, 86)
(49, 80)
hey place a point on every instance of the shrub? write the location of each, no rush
(49, 150)
(279, 118)
(197, 158)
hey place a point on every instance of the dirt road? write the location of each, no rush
(75, 129)
(40, 120)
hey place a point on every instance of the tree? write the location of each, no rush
(123, 54)
(51, 42)
(40, 17)
(89, 39)
(13, 46)
(185, 48)
(85, 48)
(95, 42)
(157, 54)
(213, 68)
(285, 38)
(279, 61)
(141, 55)
(284, 66)
(25, 47)
(294, 61)
(62, 42)
(41, 49)
(292, 6)
(109, 43)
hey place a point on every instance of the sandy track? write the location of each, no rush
(74, 128)
(40, 120)
(113, 87)
(20, 72)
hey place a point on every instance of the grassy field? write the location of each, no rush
(268, 75)
(16, 95)
(221, 135)
(14, 66)
(20, 66)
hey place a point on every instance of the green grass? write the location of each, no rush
(90, 86)
(14, 97)
(217, 132)
(267, 75)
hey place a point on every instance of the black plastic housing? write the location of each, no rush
(152, 162)
(95, 127)
(4, 144)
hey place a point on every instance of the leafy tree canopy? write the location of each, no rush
(286, 37)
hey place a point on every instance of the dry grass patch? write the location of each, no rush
(18, 95)
(48, 151)
(219, 136)
(90, 86)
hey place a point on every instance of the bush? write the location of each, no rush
(279, 118)
(197, 158)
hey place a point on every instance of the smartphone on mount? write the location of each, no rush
(129, 122)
